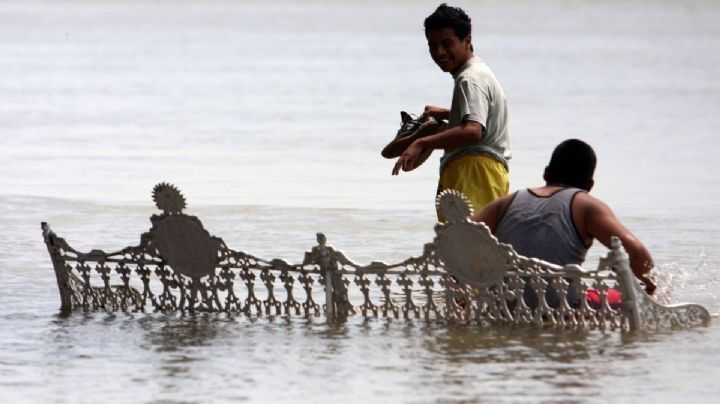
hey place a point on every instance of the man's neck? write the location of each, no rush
(463, 65)
(547, 189)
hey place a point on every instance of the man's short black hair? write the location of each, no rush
(572, 163)
(449, 17)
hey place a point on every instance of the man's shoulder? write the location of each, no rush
(501, 204)
(477, 75)
(493, 212)
(474, 69)
(589, 204)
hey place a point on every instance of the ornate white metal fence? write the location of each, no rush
(463, 275)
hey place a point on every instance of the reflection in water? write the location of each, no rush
(175, 333)
(177, 340)
(519, 361)
(279, 359)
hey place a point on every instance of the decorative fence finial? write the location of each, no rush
(168, 198)
(454, 205)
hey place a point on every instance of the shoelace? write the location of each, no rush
(409, 126)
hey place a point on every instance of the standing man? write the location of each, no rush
(476, 141)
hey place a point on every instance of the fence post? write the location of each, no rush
(621, 264)
(329, 303)
(325, 260)
(60, 274)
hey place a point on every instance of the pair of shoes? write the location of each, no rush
(410, 130)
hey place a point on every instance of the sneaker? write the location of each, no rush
(411, 129)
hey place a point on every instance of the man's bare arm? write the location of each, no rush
(492, 213)
(438, 113)
(602, 224)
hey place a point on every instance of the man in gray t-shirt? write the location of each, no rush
(478, 97)
(476, 141)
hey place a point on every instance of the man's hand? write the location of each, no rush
(439, 113)
(649, 285)
(408, 159)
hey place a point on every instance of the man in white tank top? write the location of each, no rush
(559, 221)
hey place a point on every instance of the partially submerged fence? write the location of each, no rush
(463, 275)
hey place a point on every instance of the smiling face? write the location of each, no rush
(447, 50)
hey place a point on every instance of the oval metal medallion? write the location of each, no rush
(471, 254)
(186, 246)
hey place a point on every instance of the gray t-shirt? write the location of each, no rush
(477, 96)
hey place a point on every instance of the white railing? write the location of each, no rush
(464, 275)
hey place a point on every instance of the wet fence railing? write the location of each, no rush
(463, 275)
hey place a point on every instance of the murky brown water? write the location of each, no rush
(269, 117)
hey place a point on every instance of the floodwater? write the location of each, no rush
(269, 116)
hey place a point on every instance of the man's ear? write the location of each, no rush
(468, 42)
(546, 174)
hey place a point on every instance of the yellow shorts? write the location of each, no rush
(481, 178)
